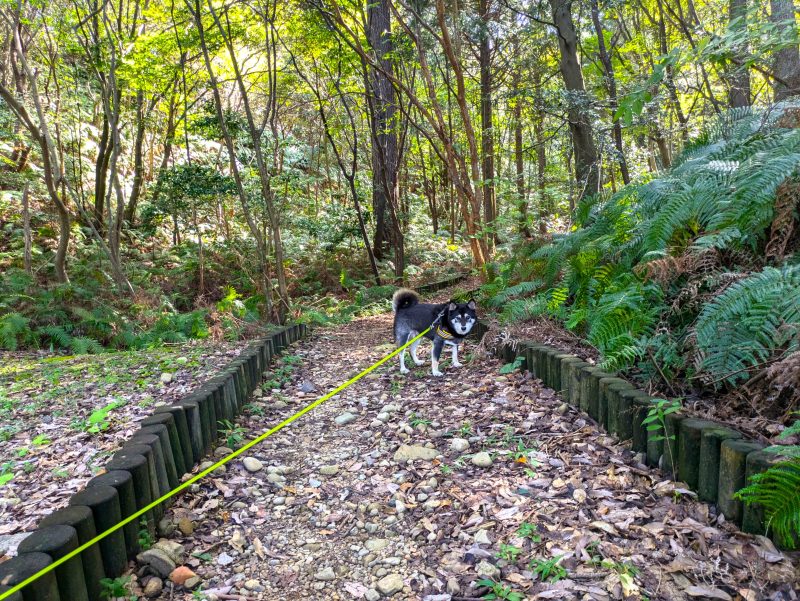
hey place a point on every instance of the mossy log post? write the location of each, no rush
(58, 541)
(556, 365)
(15, 597)
(655, 446)
(672, 441)
(732, 475)
(575, 373)
(223, 411)
(138, 467)
(535, 364)
(594, 402)
(192, 411)
(81, 519)
(708, 473)
(640, 408)
(18, 569)
(753, 513)
(589, 389)
(625, 395)
(553, 359)
(122, 482)
(564, 385)
(167, 455)
(603, 398)
(689, 449)
(205, 419)
(614, 419)
(168, 420)
(182, 427)
(149, 447)
(104, 503)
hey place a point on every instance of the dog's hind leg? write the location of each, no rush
(435, 354)
(413, 347)
(455, 356)
(410, 336)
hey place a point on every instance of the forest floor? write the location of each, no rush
(63, 416)
(510, 484)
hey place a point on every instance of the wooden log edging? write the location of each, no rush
(710, 457)
(169, 444)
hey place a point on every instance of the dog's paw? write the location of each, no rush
(404, 370)
(418, 362)
(456, 364)
(437, 373)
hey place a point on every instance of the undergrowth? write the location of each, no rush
(679, 276)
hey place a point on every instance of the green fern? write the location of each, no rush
(749, 322)
(14, 328)
(777, 491)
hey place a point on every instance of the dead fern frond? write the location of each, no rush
(783, 223)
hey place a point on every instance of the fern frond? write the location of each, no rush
(777, 490)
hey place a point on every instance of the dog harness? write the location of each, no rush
(444, 333)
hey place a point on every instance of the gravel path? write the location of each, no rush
(422, 488)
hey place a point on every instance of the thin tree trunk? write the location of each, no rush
(587, 167)
(787, 60)
(611, 86)
(26, 225)
(739, 79)
(487, 130)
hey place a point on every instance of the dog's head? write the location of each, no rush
(462, 316)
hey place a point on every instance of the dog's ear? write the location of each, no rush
(452, 306)
(471, 305)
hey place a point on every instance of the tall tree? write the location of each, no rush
(786, 63)
(587, 165)
(487, 127)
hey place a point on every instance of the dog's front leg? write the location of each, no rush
(455, 357)
(403, 368)
(435, 354)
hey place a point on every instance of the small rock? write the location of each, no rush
(308, 386)
(376, 544)
(329, 470)
(459, 445)
(579, 495)
(372, 595)
(176, 551)
(383, 416)
(253, 585)
(453, 587)
(345, 418)
(166, 377)
(482, 459)
(562, 408)
(180, 575)
(222, 451)
(158, 561)
(186, 526)
(487, 570)
(165, 527)
(482, 537)
(252, 465)
(412, 452)
(224, 559)
(192, 583)
(153, 587)
(325, 575)
(389, 585)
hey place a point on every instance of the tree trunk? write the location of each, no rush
(138, 162)
(26, 225)
(487, 131)
(739, 79)
(101, 175)
(587, 172)
(382, 122)
(519, 163)
(787, 60)
(611, 86)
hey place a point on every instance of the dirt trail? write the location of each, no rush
(331, 511)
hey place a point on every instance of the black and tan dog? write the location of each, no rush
(455, 321)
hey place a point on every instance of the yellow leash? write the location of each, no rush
(207, 471)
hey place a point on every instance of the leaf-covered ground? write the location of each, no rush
(62, 416)
(331, 510)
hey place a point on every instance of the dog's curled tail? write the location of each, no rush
(403, 299)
